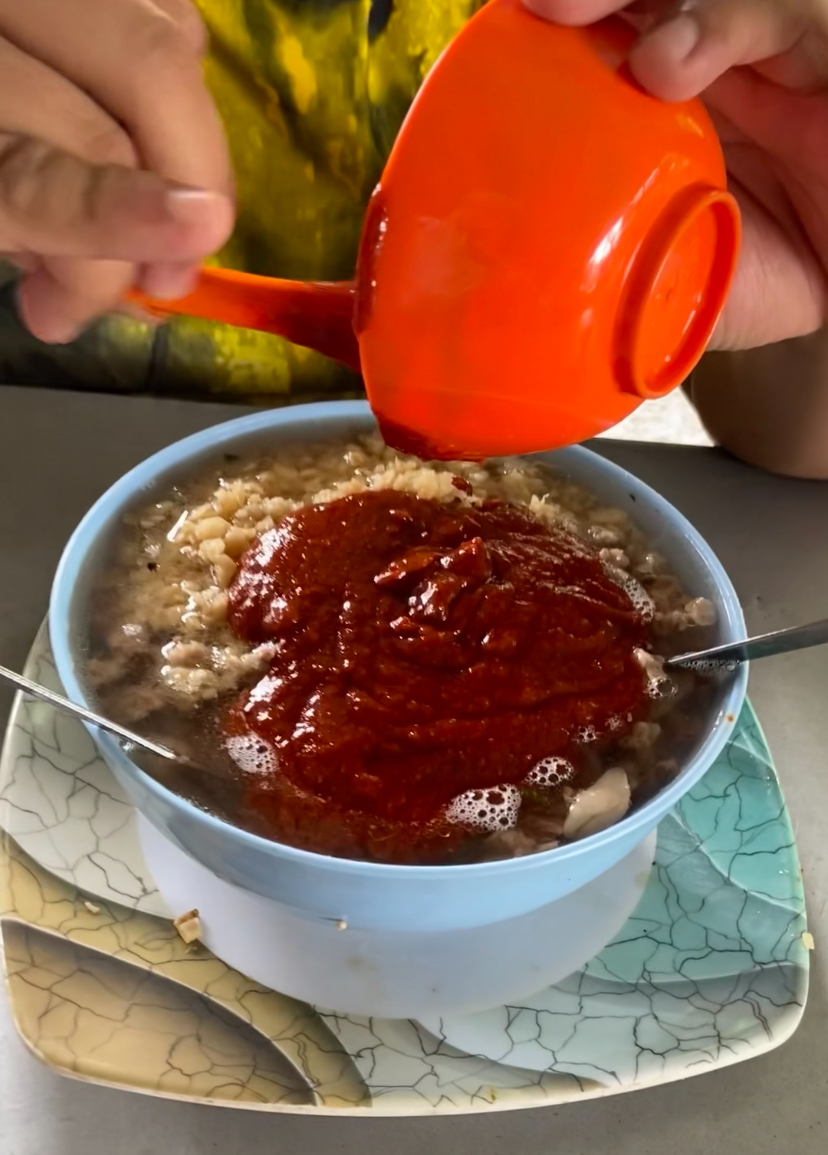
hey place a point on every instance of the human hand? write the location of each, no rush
(113, 163)
(761, 68)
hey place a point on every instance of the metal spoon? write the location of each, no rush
(36, 691)
(729, 656)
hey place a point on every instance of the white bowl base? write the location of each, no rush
(391, 974)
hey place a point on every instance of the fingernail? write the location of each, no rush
(679, 38)
(194, 206)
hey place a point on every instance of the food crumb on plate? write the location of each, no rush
(188, 926)
(91, 907)
(808, 940)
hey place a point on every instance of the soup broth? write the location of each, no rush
(371, 657)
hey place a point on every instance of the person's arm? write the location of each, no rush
(769, 406)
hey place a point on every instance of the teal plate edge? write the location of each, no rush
(712, 967)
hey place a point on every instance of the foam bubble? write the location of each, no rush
(550, 772)
(251, 754)
(659, 684)
(661, 688)
(586, 734)
(489, 810)
(641, 600)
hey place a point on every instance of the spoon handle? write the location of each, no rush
(315, 314)
(36, 691)
(763, 646)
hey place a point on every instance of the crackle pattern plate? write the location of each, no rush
(711, 969)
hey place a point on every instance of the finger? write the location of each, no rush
(59, 299)
(66, 294)
(575, 12)
(187, 17)
(38, 102)
(173, 281)
(683, 56)
(201, 159)
(169, 282)
(144, 72)
(54, 204)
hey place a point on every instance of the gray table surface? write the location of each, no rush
(59, 451)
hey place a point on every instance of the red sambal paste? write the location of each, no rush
(424, 649)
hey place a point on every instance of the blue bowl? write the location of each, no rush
(370, 895)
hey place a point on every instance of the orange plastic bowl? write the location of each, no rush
(549, 246)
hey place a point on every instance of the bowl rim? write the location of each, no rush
(123, 493)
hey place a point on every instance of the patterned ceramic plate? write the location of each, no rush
(711, 969)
